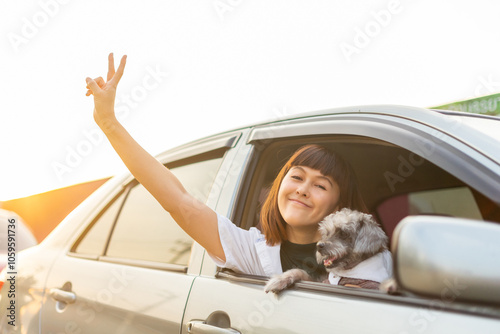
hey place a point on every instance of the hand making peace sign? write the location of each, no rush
(105, 92)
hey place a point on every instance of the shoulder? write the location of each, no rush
(246, 250)
(226, 226)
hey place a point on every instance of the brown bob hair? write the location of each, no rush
(328, 163)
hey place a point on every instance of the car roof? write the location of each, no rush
(423, 115)
(453, 123)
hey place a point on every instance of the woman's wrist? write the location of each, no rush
(107, 124)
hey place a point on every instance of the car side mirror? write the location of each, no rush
(453, 259)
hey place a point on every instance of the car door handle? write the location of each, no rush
(67, 297)
(203, 328)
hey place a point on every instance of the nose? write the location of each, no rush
(302, 191)
(320, 246)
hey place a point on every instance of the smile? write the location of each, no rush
(299, 203)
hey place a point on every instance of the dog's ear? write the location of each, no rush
(371, 239)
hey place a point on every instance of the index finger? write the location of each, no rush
(111, 67)
(119, 72)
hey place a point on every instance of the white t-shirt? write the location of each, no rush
(247, 251)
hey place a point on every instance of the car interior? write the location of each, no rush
(394, 182)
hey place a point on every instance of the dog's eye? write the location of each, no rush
(342, 234)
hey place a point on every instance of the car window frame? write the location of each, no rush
(201, 150)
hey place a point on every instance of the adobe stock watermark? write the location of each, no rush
(487, 85)
(488, 105)
(364, 35)
(262, 310)
(273, 130)
(409, 163)
(421, 319)
(32, 25)
(425, 148)
(88, 309)
(94, 137)
(201, 194)
(224, 7)
(486, 100)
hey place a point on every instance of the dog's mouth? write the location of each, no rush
(328, 262)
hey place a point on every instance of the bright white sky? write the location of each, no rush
(199, 67)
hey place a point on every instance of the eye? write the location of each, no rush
(321, 186)
(296, 177)
(342, 234)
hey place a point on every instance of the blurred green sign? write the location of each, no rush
(486, 105)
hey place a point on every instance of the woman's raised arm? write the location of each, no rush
(198, 220)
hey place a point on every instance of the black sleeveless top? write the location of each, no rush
(302, 257)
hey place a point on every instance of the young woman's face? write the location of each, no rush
(305, 197)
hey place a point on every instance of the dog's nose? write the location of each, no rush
(320, 246)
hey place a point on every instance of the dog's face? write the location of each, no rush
(348, 238)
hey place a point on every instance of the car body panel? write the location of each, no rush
(114, 298)
(308, 311)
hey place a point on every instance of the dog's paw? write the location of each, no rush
(279, 283)
(290, 277)
(389, 286)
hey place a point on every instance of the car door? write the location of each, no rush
(131, 269)
(392, 156)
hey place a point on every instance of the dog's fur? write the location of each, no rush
(348, 237)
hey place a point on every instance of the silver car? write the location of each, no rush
(120, 264)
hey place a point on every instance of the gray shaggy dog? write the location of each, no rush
(353, 249)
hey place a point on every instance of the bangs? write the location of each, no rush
(321, 159)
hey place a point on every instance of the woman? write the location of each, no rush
(314, 183)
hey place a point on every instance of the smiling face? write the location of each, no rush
(296, 203)
(305, 197)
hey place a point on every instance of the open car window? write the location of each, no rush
(394, 182)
